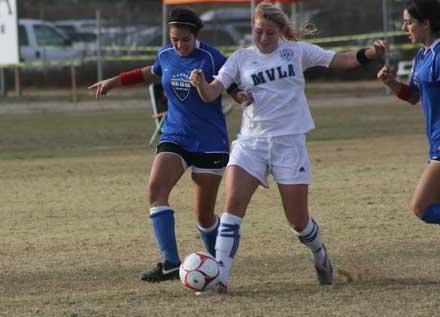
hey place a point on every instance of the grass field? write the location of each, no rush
(75, 233)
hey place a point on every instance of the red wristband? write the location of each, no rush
(404, 92)
(132, 77)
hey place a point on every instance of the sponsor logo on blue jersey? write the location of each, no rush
(181, 85)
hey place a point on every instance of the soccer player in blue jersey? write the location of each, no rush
(194, 134)
(421, 20)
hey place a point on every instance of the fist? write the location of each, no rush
(380, 48)
(245, 98)
(385, 74)
(196, 77)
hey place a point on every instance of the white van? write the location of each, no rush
(41, 41)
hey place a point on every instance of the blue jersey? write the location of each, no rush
(193, 124)
(426, 79)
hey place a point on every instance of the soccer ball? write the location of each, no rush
(199, 271)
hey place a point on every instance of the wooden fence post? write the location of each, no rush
(73, 80)
(18, 90)
(3, 90)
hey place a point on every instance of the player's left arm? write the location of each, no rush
(240, 96)
(233, 89)
(234, 92)
(353, 59)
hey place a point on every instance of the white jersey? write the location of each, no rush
(276, 81)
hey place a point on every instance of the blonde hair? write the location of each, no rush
(289, 30)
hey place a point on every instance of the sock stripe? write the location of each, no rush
(161, 212)
(156, 214)
(311, 236)
(234, 247)
(231, 231)
(316, 251)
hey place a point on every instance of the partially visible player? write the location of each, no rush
(194, 134)
(421, 21)
(273, 132)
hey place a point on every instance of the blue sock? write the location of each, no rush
(431, 214)
(162, 218)
(209, 236)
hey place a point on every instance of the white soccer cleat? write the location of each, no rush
(217, 289)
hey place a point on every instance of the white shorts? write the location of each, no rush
(285, 157)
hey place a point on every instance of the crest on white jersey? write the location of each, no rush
(181, 85)
(286, 54)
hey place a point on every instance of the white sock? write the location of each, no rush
(209, 229)
(311, 238)
(228, 239)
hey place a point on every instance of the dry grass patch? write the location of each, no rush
(74, 237)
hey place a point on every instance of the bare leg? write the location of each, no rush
(295, 203)
(167, 169)
(239, 188)
(425, 202)
(205, 189)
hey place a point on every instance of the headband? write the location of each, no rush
(185, 23)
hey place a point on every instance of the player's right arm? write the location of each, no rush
(140, 75)
(401, 90)
(207, 91)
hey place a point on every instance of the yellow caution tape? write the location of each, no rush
(366, 36)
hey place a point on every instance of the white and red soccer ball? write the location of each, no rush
(199, 271)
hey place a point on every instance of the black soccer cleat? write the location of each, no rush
(162, 272)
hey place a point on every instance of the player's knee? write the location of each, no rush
(206, 219)
(157, 193)
(234, 203)
(298, 226)
(417, 207)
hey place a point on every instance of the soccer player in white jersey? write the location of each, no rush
(193, 135)
(274, 124)
(421, 21)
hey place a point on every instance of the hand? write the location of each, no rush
(197, 77)
(385, 75)
(103, 86)
(245, 98)
(379, 49)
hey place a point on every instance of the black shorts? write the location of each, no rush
(434, 159)
(201, 160)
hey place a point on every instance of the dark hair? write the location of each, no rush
(422, 10)
(185, 18)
